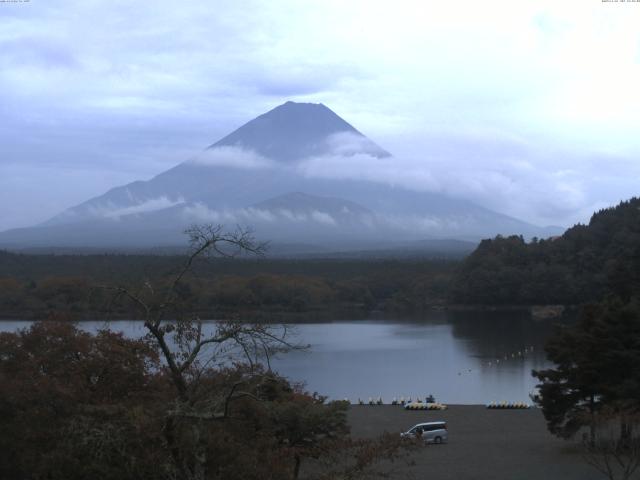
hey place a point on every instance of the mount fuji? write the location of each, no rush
(280, 175)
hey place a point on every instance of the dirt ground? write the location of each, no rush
(483, 444)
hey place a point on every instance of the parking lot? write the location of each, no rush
(483, 444)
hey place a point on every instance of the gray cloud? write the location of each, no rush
(37, 52)
(305, 78)
(506, 174)
(510, 106)
(226, 156)
(250, 215)
(416, 226)
(150, 205)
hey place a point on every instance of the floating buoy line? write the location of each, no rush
(429, 402)
(502, 359)
(418, 404)
(425, 406)
(508, 405)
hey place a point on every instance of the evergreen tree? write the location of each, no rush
(597, 365)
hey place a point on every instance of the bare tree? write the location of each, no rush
(197, 357)
(614, 447)
(189, 347)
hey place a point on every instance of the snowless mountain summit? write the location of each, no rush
(283, 174)
(294, 131)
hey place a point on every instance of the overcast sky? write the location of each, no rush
(531, 108)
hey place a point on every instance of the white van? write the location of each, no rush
(430, 432)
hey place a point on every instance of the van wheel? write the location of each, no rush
(437, 440)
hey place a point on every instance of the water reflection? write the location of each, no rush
(457, 356)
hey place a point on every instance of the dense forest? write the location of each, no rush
(33, 286)
(587, 262)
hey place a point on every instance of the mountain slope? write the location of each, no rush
(247, 178)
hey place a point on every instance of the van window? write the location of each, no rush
(438, 426)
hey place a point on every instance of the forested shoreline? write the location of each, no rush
(587, 262)
(265, 289)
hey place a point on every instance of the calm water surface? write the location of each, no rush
(459, 357)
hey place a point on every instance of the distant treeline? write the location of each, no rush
(588, 262)
(32, 286)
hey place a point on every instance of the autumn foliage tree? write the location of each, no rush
(190, 400)
(75, 404)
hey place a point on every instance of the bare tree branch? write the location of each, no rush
(182, 341)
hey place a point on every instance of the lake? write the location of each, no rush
(459, 357)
